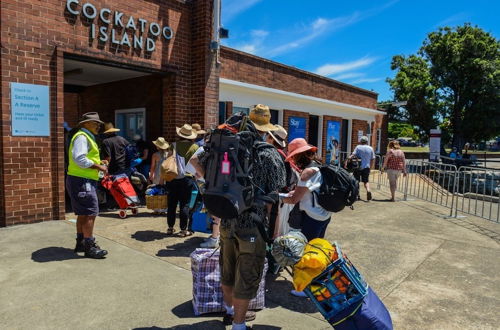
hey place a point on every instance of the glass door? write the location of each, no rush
(131, 122)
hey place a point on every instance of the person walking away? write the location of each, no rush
(84, 165)
(200, 138)
(367, 156)
(157, 159)
(180, 189)
(114, 150)
(242, 246)
(145, 151)
(394, 164)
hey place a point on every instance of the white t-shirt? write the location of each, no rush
(306, 203)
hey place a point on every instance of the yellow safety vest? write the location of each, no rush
(93, 155)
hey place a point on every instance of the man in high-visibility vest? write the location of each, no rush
(81, 182)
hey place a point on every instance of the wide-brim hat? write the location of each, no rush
(297, 146)
(90, 116)
(260, 116)
(110, 128)
(161, 143)
(186, 132)
(279, 135)
(197, 128)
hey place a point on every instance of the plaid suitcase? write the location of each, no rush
(207, 292)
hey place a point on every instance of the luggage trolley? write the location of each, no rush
(337, 288)
(123, 192)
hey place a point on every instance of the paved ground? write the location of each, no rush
(432, 272)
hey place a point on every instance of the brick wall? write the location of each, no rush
(251, 69)
(358, 125)
(72, 108)
(35, 37)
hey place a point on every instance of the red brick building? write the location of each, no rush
(146, 65)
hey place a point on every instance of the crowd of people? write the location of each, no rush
(292, 170)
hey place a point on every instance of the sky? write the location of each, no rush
(349, 41)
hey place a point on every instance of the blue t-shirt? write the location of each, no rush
(365, 153)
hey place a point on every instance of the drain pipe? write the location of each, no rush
(215, 44)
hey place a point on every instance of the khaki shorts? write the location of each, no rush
(242, 257)
(393, 175)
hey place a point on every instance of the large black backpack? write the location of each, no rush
(230, 193)
(338, 188)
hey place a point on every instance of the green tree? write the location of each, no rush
(396, 130)
(454, 76)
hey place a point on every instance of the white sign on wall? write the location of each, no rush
(30, 109)
(360, 135)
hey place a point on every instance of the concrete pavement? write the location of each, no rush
(432, 272)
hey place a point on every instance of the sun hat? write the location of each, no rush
(364, 138)
(279, 135)
(161, 143)
(261, 118)
(186, 132)
(90, 116)
(197, 128)
(110, 128)
(298, 146)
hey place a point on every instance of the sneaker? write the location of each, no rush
(369, 195)
(300, 294)
(80, 246)
(228, 318)
(92, 250)
(210, 243)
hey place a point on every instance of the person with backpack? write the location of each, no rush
(367, 156)
(242, 173)
(84, 167)
(181, 188)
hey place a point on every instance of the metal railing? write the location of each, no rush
(468, 190)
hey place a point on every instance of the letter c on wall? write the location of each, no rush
(71, 10)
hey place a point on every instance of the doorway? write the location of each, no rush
(313, 130)
(131, 122)
(344, 140)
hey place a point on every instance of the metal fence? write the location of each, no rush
(468, 190)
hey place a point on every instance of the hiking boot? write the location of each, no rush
(228, 318)
(80, 246)
(92, 250)
(369, 195)
(210, 243)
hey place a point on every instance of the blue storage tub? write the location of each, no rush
(327, 297)
(201, 222)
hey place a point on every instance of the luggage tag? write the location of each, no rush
(226, 165)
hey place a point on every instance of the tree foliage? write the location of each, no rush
(455, 76)
(397, 130)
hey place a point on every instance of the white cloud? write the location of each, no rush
(348, 76)
(366, 80)
(248, 48)
(232, 8)
(259, 33)
(331, 69)
(257, 38)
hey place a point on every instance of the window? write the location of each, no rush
(274, 116)
(222, 112)
(241, 109)
(131, 122)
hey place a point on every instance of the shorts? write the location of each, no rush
(242, 257)
(82, 193)
(362, 175)
(393, 175)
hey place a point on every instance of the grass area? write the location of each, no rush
(426, 149)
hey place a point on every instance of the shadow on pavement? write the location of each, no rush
(183, 249)
(213, 324)
(185, 310)
(54, 254)
(278, 293)
(148, 235)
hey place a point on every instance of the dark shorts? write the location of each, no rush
(82, 193)
(362, 175)
(242, 257)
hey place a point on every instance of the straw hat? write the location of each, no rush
(279, 135)
(298, 146)
(186, 132)
(161, 143)
(110, 128)
(197, 128)
(261, 118)
(90, 116)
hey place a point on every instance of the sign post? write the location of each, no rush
(30, 110)
(435, 145)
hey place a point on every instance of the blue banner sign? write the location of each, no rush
(30, 110)
(332, 141)
(296, 128)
